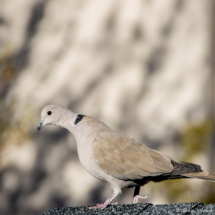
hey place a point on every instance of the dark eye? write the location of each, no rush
(49, 112)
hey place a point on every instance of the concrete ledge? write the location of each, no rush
(139, 209)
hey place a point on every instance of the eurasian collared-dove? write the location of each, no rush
(116, 158)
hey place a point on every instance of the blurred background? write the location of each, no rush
(144, 67)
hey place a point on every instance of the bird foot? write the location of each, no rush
(107, 202)
(103, 206)
(135, 199)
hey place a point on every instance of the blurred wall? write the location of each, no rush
(141, 66)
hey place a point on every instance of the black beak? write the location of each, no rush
(40, 125)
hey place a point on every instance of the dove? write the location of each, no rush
(116, 158)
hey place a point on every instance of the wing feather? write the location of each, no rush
(126, 158)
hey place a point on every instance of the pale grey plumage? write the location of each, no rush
(117, 158)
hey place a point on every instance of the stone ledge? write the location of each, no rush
(139, 209)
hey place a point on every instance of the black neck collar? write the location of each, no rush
(78, 118)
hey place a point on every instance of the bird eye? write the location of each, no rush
(49, 112)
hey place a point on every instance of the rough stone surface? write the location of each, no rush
(139, 209)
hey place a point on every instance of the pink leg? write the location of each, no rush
(107, 202)
(137, 196)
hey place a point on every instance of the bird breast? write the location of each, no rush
(86, 156)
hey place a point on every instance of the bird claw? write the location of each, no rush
(102, 206)
(135, 199)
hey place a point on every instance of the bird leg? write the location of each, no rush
(107, 202)
(137, 196)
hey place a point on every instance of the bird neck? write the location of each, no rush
(67, 120)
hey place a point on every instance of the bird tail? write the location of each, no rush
(190, 170)
(201, 175)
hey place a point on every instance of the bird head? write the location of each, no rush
(52, 115)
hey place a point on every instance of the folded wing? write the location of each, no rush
(126, 158)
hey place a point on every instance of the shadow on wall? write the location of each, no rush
(37, 14)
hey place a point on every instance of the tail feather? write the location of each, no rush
(190, 170)
(184, 167)
(201, 175)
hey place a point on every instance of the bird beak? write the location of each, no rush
(40, 125)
